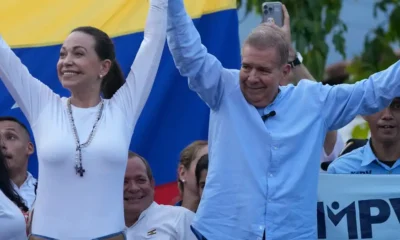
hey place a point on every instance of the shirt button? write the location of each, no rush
(261, 227)
(275, 147)
(271, 175)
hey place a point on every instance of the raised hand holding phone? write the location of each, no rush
(286, 25)
(272, 13)
(276, 13)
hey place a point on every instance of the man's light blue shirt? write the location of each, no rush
(263, 176)
(362, 161)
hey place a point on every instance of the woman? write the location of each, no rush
(82, 141)
(12, 220)
(187, 183)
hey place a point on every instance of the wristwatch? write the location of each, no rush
(297, 61)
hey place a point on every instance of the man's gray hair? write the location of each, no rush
(268, 36)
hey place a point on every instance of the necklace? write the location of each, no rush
(78, 158)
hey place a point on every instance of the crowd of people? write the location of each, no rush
(271, 126)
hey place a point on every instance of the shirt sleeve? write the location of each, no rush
(132, 96)
(183, 229)
(29, 93)
(343, 102)
(204, 71)
(331, 169)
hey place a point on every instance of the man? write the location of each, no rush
(201, 173)
(351, 145)
(381, 155)
(17, 148)
(144, 218)
(265, 140)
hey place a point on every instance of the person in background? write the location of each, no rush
(333, 146)
(381, 155)
(351, 145)
(144, 218)
(187, 185)
(265, 140)
(12, 206)
(17, 149)
(201, 173)
(83, 139)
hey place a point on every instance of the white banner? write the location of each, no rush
(358, 207)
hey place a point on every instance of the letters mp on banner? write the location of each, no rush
(358, 207)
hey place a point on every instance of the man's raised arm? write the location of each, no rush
(343, 102)
(206, 75)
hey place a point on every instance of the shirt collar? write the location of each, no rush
(278, 97)
(368, 155)
(29, 181)
(144, 213)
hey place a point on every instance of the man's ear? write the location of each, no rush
(286, 69)
(31, 148)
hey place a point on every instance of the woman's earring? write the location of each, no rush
(101, 76)
(183, 180)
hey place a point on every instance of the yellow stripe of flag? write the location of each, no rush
(47, 22)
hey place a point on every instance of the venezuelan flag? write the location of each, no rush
(173, 116)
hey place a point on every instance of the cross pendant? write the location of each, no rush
(79, 170)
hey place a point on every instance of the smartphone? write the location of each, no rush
(272, 12)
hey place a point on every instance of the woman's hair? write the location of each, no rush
(202, 164)
(187, 156)
(104, 48)
(6, 185)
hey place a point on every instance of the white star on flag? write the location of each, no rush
(15, 106)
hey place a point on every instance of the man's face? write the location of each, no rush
(202, 181)
(138, 188)
(385, 125)
(260, 75)
(15, 145)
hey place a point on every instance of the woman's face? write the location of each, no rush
(79, 65)
(190, 175)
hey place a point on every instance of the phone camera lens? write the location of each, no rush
(266, 10)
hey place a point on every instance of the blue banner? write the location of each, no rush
(358, 207)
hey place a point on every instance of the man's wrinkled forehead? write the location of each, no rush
(14, 127)
(135, 168)
(8, 126)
